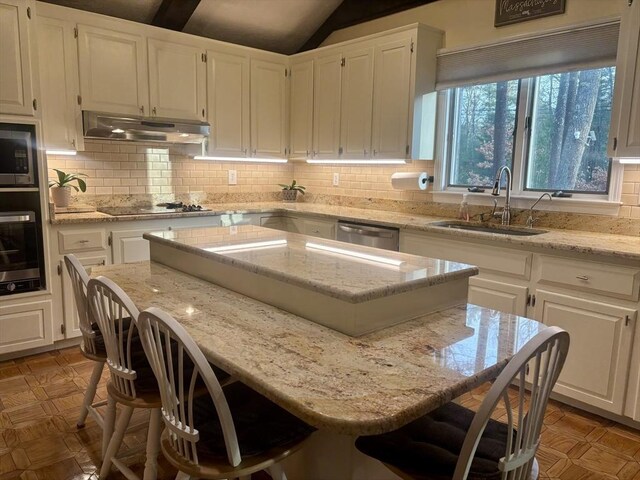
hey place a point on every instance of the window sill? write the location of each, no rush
(571, 205)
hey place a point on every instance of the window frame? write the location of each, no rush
(598, 203)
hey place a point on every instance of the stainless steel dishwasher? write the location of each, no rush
(387, 238)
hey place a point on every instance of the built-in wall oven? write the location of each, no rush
(19, 252)
(18, 155)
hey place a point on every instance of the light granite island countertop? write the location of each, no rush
(351, 386)
(352, 288)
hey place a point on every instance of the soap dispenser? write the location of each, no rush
(464, 209)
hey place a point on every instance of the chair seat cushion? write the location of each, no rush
(260, 424)
(145, 379)
(430, 445)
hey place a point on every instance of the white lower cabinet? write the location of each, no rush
(128, 246)
(308, 226)
(502, 296)
(597, 368)
(25, 325)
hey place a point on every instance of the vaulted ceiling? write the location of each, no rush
(284, 26)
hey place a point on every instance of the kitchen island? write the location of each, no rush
(342, 385)
(351, 288)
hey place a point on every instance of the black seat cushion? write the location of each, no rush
(260, 424)
(430, 445)
(145, 378)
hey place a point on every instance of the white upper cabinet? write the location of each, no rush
(391, 99)
(113, 71)
(326, 105)
(58, 64)
(228, 103)
(268, 108)
(16, 88)
(301, 114)
(624, 139)
(357, 91)
(177, 80)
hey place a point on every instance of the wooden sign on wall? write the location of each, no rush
(515, 11)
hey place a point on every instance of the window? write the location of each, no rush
(551, 130)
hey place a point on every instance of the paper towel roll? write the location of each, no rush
(410, 180)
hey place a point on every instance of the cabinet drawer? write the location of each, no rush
(611, 280)
(318, 228)
(81, 241)
(25, 326)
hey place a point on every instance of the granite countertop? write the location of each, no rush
(357, 386)
(624, 247)
(351, 273)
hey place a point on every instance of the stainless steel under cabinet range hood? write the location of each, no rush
(143, 129)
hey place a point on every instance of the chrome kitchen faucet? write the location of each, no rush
(505, 214)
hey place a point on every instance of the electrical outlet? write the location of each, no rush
(233, 177)
(233, 230)
(336, 179)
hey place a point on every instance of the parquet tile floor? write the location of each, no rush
(40, 397)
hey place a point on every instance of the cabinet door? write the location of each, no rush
(58, 62)
(129, 246)
(268, 108)
(71, 320)
(627, 92)
(113, 71)
(228, 104)
(504, 297)
(391, 96)
(597, 367)
(16, 90)
(301, 116)
(25, 325)
(177, 80)
(326, 106)
(357, 91)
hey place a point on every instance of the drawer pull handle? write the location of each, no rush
(83, 241)
(582, 277)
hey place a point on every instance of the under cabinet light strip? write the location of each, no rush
(242, 159)
(62, 152)
(629, 161)
(353, 253)
(389, 161)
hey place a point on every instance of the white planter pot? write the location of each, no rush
(61, 196)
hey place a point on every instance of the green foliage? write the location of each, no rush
(294, 186)
(65, 179)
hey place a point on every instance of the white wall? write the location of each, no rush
(470, 22)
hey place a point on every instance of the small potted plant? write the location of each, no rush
(61, 188)
(290, 192)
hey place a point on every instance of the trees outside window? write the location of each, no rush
(563, 142)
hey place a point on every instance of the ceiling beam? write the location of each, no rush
(353, 12)
(174, 14)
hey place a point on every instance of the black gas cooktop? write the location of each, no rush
(177, 207)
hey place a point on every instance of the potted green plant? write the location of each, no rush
(290, 192)
(61, 188)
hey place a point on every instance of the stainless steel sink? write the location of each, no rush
(487, 228)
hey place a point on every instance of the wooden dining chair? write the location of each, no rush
(454, 442)
(92, 346)
(132, 384)
(229, 432)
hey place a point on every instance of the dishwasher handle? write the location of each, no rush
(368, 231)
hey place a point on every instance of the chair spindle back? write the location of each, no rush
(117, 317)
(538, 362)
(169, 349)
(79, 282)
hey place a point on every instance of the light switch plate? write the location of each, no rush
(336, 179)
(233, 177)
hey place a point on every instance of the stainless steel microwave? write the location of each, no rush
(18, 155)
